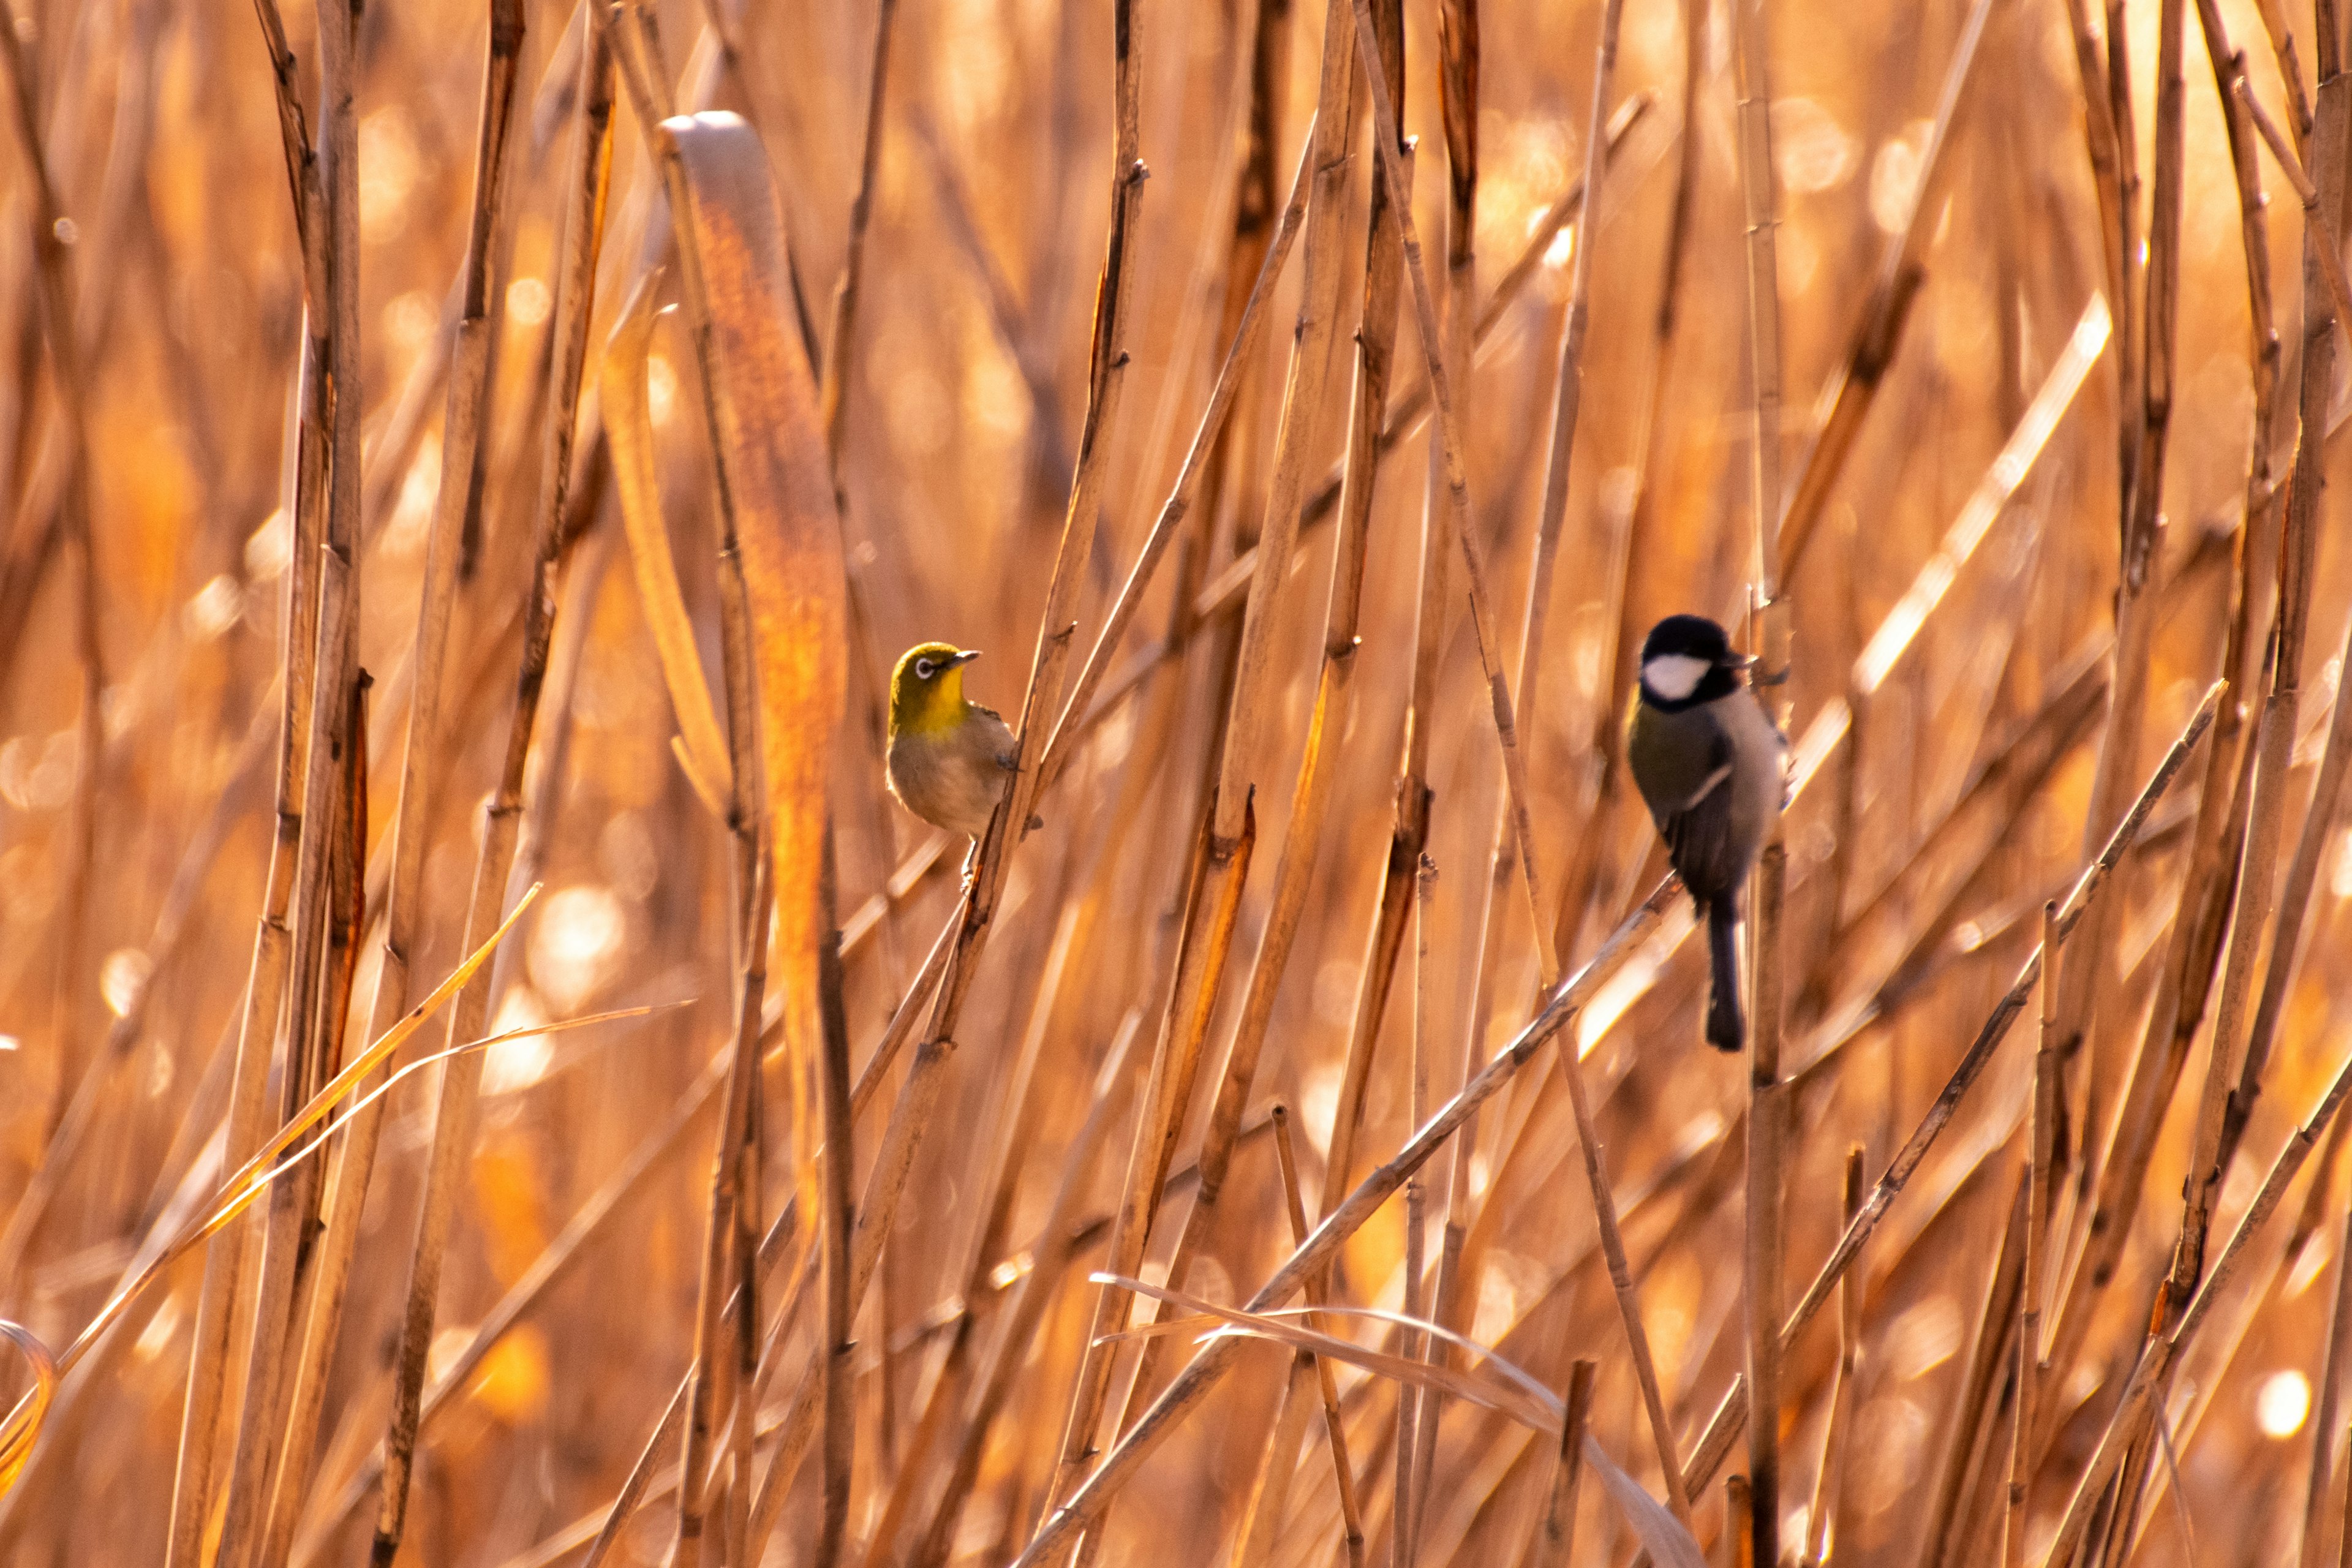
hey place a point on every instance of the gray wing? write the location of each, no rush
(1698, 833)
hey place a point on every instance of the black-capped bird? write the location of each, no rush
(948, 756)
(1707, 760)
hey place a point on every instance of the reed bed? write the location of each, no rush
(488, 1076)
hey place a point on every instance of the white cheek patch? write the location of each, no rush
(1671, 677)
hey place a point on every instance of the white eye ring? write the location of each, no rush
(924, 670)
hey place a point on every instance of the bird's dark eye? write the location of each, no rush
(924, 670)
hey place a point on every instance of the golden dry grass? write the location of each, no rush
(1971, 726)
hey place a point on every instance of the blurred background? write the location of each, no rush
(1942, 800)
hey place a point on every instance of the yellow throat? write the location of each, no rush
(932, 703)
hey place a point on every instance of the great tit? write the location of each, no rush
(1707, 760)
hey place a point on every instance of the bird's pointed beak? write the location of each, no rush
(966, 656)
(1738, 661)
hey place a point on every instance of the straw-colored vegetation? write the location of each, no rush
(469, 467)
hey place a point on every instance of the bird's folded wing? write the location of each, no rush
(1698, 834)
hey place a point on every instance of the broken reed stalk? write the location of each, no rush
(227, 1262)
(1829, 1481)
(1768, 1128)
(1723, 1428)
(1552, 1544)
(2040, 1156)
(1561, 1008)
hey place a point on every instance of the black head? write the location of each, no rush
(1687, 660)
(1692, 636)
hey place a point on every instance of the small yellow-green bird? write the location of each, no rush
(948, 756)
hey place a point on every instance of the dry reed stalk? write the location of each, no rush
(832, 415)
(2273, 742)
(1343, 1474)
(1723, 1428)
(772, 1246)
(1767, 1130)
(919, 1094)
(1327, 721)
(2151, 1374)
(1312, 1257)
(1412, 1407)
(1457, 85)
(833, 391)
(2101, 149)
(1971, 1443)
(1410, 408)
(1829, 1481)
(1213, 909)
(1227, 834)
(456, 516)
(1551, 1546)
(1017, 1113)
(481, 315)
(226, 1265)
(2334, 1350)
(1847, 398)
(781, 591)
(1208, 443)
(2041, 1157)
(2344, 1526)
(1262, 1515)
(1513, 762)
(2330, 265)
(2115, 163)
(1457, 489)
(2185, 982)
(2327, 798)
(1058, 1243)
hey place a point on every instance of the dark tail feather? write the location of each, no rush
(1725, 1031)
